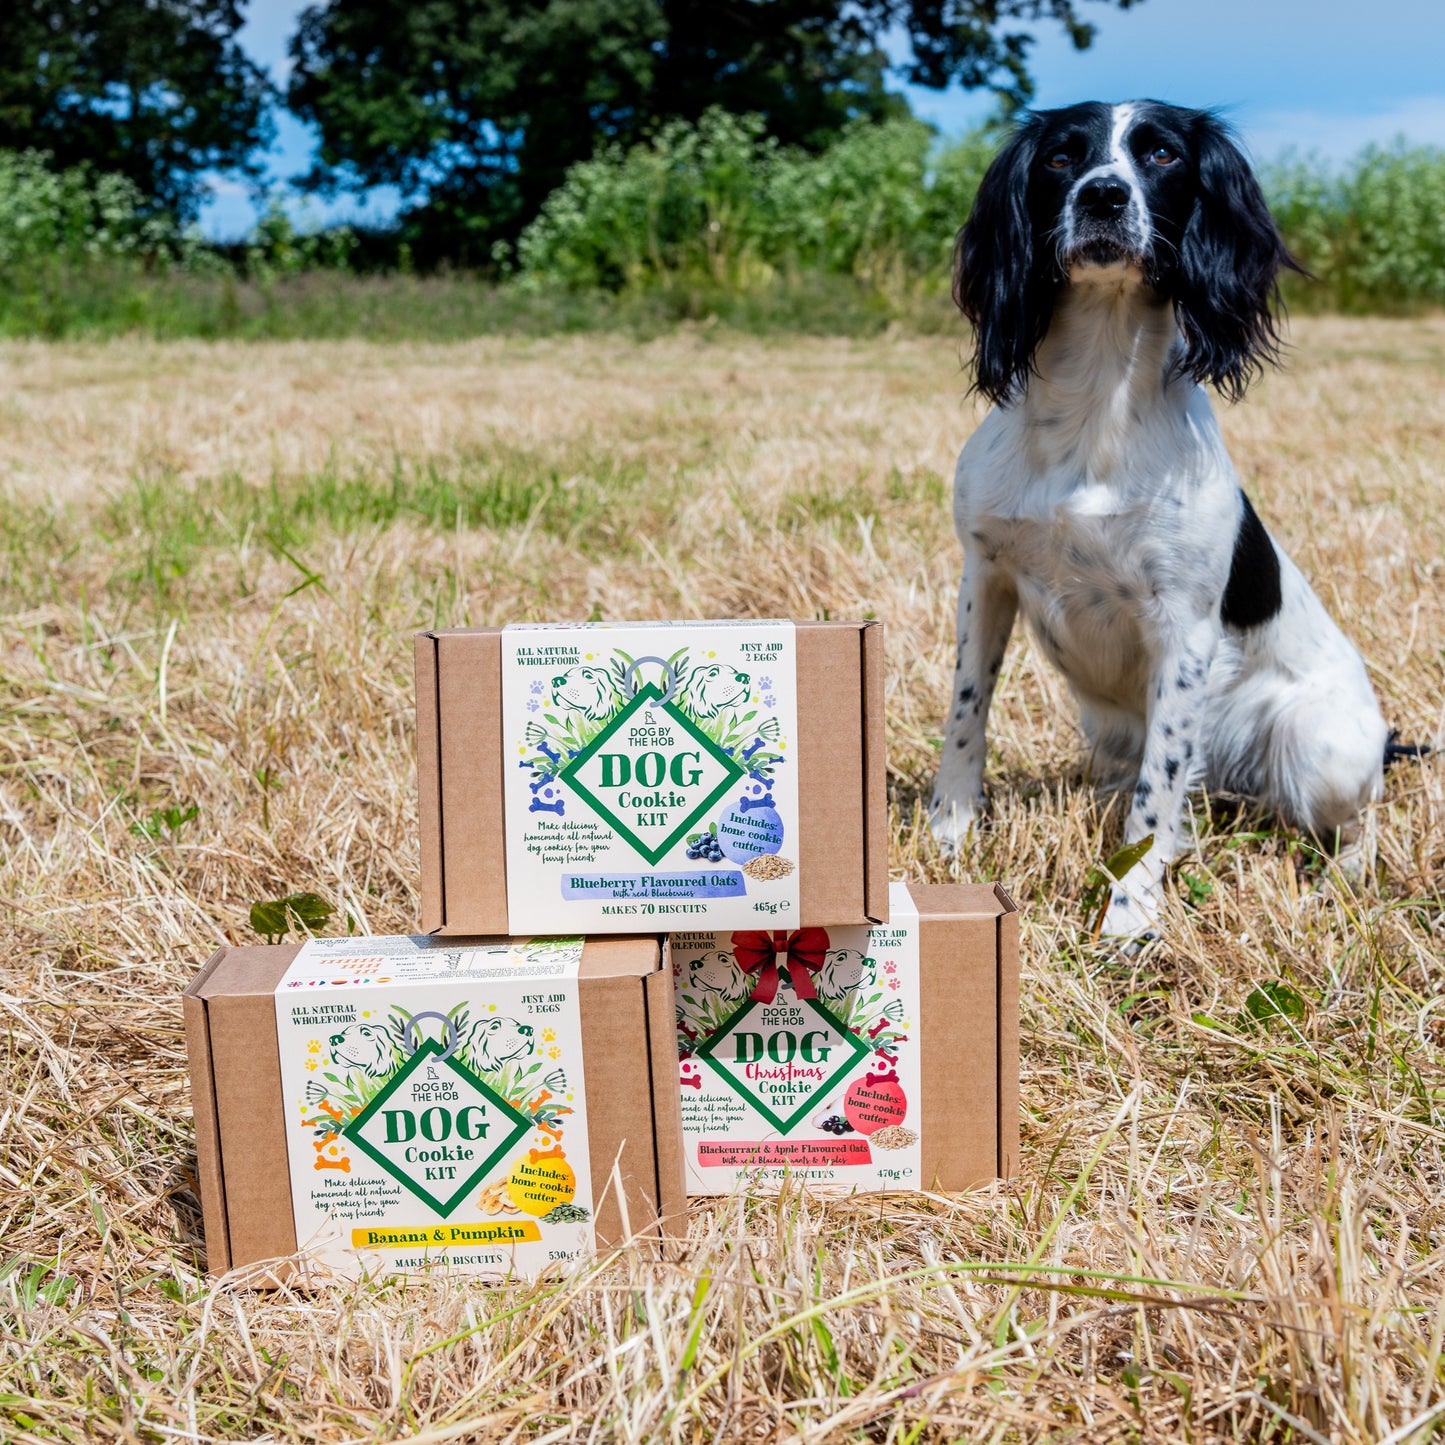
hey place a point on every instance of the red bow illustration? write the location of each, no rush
(803, 950)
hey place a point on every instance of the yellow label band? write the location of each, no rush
(443, 1236)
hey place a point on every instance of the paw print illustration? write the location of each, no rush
(312, 1063)
(893, 983)
(314, 1047)
(769, 700)
(554, 1053)
(890, 968)
(549, 1036)
(537, 687)
(766, 684)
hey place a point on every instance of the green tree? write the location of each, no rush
(477, 108)
(157, 91)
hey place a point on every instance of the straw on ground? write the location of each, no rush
(1229, 1221)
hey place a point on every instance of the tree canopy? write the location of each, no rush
(158, 92)
(476, 108)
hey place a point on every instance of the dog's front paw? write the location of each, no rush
(950, 822)
(1135, 903)
(1129, 922)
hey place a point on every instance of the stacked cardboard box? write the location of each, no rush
(660, 957)
(831, 753)
(435, 1097)
(888, 1060)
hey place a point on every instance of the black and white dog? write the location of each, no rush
(1119, 257)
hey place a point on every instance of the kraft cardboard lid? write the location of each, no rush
(257, 968)
(960, 900)
(243, 969)
(800, 622)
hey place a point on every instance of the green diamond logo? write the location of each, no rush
(783, 1057)
(437, 1128)
(651, 773)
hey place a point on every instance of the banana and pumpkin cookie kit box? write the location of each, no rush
(871, 1058)
(394, 1104)
(603, 778)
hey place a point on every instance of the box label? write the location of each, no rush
(436, 1106)
(438, 1150)
(656, 778)
(798, 1054)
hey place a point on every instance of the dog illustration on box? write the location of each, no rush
(843, 970)
(492, 1042)
(374, 1049)
(592, 691)
(501, 1050)
(718, 973)
(709, 689)
(711, 988)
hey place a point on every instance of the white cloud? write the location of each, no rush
(1336, 136)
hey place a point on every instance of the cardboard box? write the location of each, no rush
(465, 766)
(882, 1058)
(260, 1124)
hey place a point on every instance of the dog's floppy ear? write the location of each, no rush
(1230, 256)
(998, 282)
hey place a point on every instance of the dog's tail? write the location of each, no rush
(1397, 751)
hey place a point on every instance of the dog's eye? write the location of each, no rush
(1162, 156)
(1057, 161)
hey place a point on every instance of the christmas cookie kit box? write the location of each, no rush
(605, 778)
(882, 1057)
(394, 1104)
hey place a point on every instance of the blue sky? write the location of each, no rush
(1325, 76)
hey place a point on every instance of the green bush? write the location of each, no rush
(76, 216)
(722, 203)
(1372, 233)
(713, 220)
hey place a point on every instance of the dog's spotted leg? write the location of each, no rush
(987, 604)
(1179, 690)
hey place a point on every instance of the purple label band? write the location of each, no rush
(709, 883)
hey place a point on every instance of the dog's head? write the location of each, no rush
(492, 1042)
(368, 1047)
(1142, 194)
(718, 973)
(588, 690)
(843, 969)
(714, 686)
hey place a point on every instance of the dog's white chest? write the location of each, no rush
(1101, 542)
(1086, 579)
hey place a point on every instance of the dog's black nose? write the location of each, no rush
(1103, 199)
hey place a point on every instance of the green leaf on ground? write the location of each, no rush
(1271, 1002)
(304, 912)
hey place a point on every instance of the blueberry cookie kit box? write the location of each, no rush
(389, 1105)
(614, 777)
(873, 1058)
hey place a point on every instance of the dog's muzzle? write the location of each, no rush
(1104, 231)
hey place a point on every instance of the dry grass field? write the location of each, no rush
(1230, 1221)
